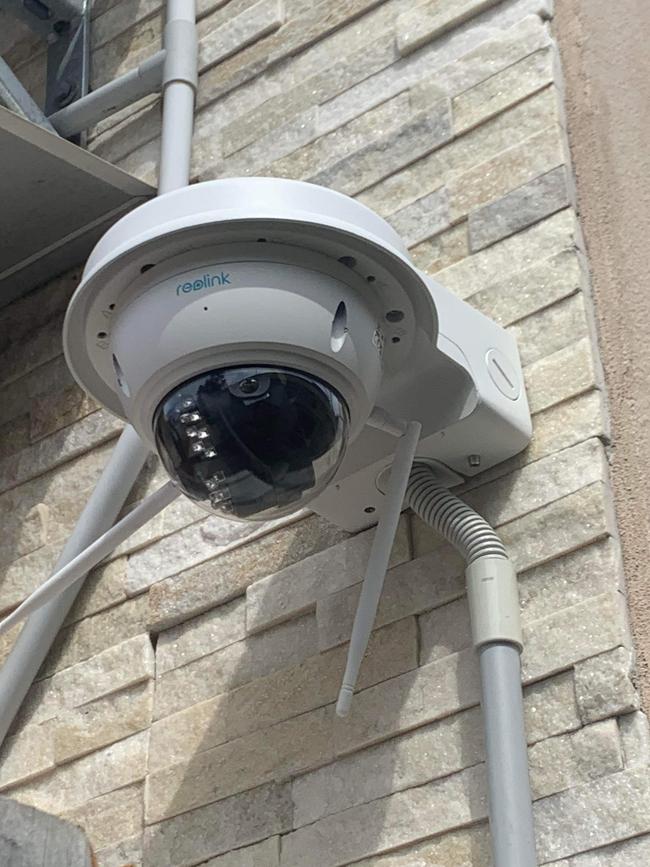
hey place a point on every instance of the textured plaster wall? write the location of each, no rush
(607, 74)
(185, 716)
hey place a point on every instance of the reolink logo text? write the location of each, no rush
(207, 281)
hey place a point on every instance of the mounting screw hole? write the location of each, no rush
(371, 278)
(261, 240)
(205, 308)
(101, 335)
(395, 315)
(395, 339)
(146, 268)
(348, 261)
(111, 307)
(369, 510)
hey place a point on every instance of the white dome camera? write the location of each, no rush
(247, 328)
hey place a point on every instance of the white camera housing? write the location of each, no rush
(270, 272)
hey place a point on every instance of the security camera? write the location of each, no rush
(249, 328)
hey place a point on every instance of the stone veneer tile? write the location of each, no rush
(285, 645)
(506, 171)
(567, 580)
(519, 209)
(389, 822)
(511, 256)
(469, 847)
(573, 634)
(51, 412)
(82, 730)
(125, 853)
(103, 588)
(323, 85)
(222, 578)
(96, 633)
(430, 20)
(111, 818)
(444, 748)
(491, 96)
(317, 21)
(531, 289)
(26, 755)
(279, 696)
(551, 329)
(415, 586)
(296, 589)
(432, 169)
(217, 828)
(236, 33)
(275, 753)
(560, 376)
(604, 685)
(58, 448)
(569, 760)
(78, 782)
(114, 669)
(630, 853)
(442, 250)
(202, 635)
(380, 158)
(189, 547)
(328, 149)
(264, 854)
(423, 218)
(602, 812)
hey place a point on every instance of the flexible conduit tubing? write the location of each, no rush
(180, 81)
(494, 608)
(40, 630)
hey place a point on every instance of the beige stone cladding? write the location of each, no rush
(185, 715)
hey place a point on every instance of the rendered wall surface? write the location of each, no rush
(186, 715)
(607, 74)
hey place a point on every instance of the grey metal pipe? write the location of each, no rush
(111, 97)
(36, 638)
(14, 96)
(511, 813)
(496, 630)
(180, 81)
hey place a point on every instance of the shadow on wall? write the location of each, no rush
(268, 756)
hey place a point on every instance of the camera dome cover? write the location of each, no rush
(252, 442)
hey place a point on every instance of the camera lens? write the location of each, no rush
(252, 442)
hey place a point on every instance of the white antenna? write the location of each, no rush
(92, 555)
(409, 436)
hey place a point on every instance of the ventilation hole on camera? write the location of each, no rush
(395, 315)
(369, 510)
(395, 339)
(146, 268)
(261, 240)
(339, 327)
(348, 261)
(119, 375)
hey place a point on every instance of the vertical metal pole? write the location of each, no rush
(180, 79)
(511, 814)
